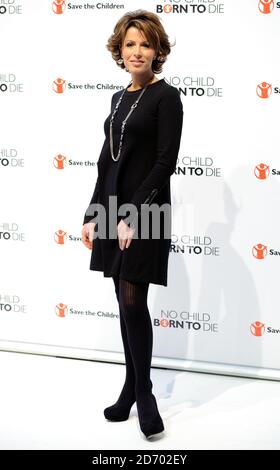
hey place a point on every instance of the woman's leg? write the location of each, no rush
(137, 320)
(128, 391)
(121, 409)
(134, 308)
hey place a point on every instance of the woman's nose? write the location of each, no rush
(137, 51)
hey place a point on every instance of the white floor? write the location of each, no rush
(53, 403)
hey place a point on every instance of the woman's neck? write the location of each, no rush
(140, 82)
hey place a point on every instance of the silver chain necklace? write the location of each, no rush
(133, 106)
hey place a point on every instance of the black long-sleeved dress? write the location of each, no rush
(141, 176)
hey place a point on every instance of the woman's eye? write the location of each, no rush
(146, 45)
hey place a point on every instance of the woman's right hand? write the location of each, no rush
(87, 235)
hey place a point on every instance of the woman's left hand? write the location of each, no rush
(125, 234)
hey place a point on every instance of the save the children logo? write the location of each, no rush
(63, 310)
(260, 251)
(60, 162)
(58, 6)
(264, 89)
(60, 237)
(262, 171)
(257, 328)
(266, 6)
(59, 85)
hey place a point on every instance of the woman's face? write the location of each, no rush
(137, 52)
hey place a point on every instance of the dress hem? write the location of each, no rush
(129, 278)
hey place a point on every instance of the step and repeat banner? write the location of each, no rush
(220, 310)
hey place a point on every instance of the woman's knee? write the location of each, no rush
(133, 298)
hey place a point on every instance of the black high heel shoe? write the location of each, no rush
(121, 409)
(118, 412)
(153, 426)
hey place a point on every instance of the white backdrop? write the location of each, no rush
(220, 311)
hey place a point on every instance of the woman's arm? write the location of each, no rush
(94, 199)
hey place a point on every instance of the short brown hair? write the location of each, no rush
(151, 26)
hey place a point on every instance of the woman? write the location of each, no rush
(138, 157)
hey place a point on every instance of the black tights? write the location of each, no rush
(137, 337)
